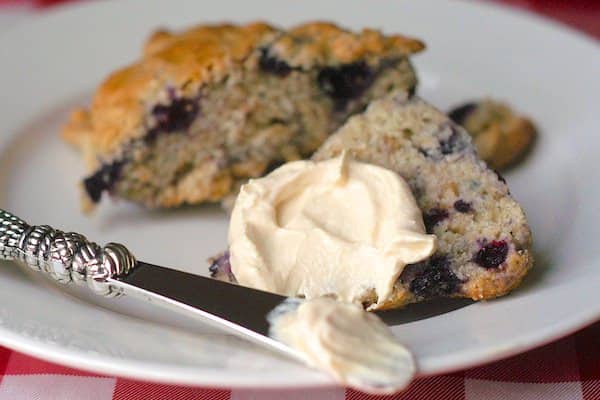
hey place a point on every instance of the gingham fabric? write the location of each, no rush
(568, 369)
(565, 370)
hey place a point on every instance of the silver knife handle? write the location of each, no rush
(66, 257)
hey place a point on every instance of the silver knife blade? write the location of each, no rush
(238, 309)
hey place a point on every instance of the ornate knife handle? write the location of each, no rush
(64, 256)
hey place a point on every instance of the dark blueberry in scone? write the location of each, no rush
(174, 117)
(484, 244)
(346, 82)
(492, 254)
(220, 268)
(462, 206)
(431, 278)
(205, 109)
(502, 136)
(273, 65)
(432, 217)
(454, 143)
(103, 180)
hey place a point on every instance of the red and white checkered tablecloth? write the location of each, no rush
(567, 369)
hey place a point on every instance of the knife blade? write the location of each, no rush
(241, 305)
(237, 309)
(112, 270)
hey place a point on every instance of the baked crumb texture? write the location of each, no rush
(484, 241)
(205, 109)
(501, 136)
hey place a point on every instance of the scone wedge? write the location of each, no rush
(484, 241)
(207, 108)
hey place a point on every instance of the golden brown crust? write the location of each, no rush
(399, 298)
(187, 60)
(77, 126)
(324, 43)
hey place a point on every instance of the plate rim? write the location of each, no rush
(144, 370)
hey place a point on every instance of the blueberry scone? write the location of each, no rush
(209, 107)
(484, 241)
(501, 135)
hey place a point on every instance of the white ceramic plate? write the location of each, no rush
(53, 62)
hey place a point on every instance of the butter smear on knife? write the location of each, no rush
(353, 345)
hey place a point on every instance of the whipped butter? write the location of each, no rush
(338, 227)
(353, 345)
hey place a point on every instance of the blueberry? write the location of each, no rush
(460, 114)
(345, 82)
(462, 206)
(453, 143)
(103, 180)
(492, 254)
(434, 216)
(177, 116)
(431, 278)
(221, 267)
(273, 65)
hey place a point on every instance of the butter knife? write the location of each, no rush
(111, 270)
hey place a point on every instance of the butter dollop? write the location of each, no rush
(355, 346)
(337, 227)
